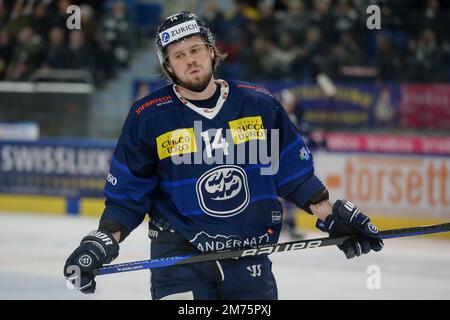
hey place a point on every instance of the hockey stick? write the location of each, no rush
(262, 250)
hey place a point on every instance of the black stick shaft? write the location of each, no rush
(263, 250)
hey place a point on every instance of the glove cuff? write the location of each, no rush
(348, 212)
(328, 224)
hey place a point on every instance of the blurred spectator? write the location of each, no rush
(311, 57)
(352, 49)
(266, 63)
(286, 53)
(97, 40)
(242, 12)
(392, 12)
(88, 24)
(80, 54)
(344, 53)
(3, 14)
(295, 19)
(214, 18)
(235, 47)
(40, 21)
(59, 18)
(387, 61)
(57, 52)
(345, 17)
(433, 18)
(116, 30)
(17, 20)
(322, 18)
(266, 21)
(6, 52)
(27, 55)
(425, 58)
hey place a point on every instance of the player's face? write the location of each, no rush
(191, 62)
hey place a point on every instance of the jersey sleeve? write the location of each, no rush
(295, 179)
(131, 178)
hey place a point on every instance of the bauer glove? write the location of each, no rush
(96, 249)
(346, 219)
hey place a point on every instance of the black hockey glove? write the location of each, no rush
(346, 219)
(96, 249)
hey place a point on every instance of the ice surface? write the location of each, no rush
(33, 249)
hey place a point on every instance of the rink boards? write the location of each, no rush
(67, 177)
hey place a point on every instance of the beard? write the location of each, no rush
(197, 85)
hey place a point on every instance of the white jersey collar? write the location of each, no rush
(209, 113)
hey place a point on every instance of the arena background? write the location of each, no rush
(373, 104)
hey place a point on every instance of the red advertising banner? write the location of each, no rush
(388, 143)
(425, 106)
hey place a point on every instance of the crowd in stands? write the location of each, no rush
(264, 39)
(296, 39)
(34, 35)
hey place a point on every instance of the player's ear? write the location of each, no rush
(169, 68)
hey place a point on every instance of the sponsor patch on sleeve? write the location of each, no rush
(176, 142)
(246, 129)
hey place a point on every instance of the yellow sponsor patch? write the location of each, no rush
(176, 142)
(248, 128)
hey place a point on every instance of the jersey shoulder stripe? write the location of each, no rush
(242, 89)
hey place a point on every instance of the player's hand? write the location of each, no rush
(96, 249)
(346, 219)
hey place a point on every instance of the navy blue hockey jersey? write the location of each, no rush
(221, 169)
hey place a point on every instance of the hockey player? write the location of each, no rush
(186, 156)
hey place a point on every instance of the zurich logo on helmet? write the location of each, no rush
(165, 37)
(223, 191)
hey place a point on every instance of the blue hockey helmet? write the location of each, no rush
(177, 27)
